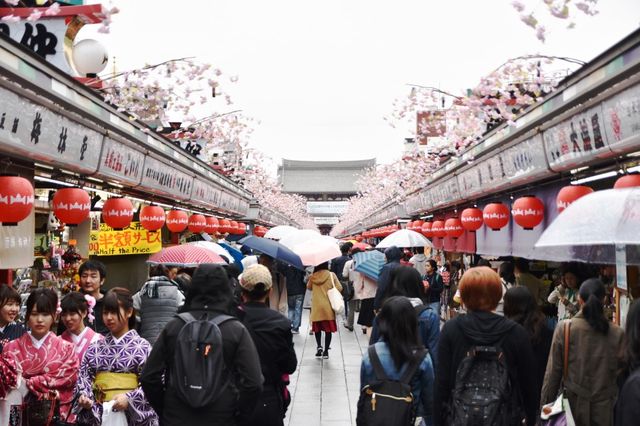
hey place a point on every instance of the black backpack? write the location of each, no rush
(388, 402)
(199, 374)
(483, 393)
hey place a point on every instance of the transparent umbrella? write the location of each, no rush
(601, 227)
(298, 237)
(277, 232)
(405, 238)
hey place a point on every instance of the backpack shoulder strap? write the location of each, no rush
(378, 369)
(220, 319)
(413, 366)
(187, 317)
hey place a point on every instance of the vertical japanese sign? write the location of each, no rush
(132, 240)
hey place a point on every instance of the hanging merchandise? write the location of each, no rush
(528, 212)
(496, 216)
(569, 194)
(16, 199)
(438, 229)
(152, 217)
(71, 205)
(197, 223)
(628, 181)
(117, 212)
(427, 229)
(177, 220)
(453, 227)
(471, 219)
(211, 226)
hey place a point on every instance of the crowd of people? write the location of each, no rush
(214, 346)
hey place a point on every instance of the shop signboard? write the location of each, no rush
(446, 192)
(205, 194)
(524, 161)
(469, 181)
(414, 204)
(16, 244)
(165, 178)
(121, 162)
(577, 140)
(622, 120)
(134, 239)
(36, 132)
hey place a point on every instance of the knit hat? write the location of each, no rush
(254, 275)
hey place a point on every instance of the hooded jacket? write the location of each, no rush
(319, 283)
(393, 255)
(485, 329)
(157, 303)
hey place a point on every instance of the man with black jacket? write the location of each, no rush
(210, 294)
(393, 255)
(337, 265)
(271, 333)
(434, 285)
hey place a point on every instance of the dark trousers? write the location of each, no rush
(269, 410)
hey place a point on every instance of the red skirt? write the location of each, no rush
(328, 326)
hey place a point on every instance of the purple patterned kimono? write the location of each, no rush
(125, 356)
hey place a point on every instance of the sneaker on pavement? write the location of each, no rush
(295, 331)
(319, 352)
(325, 354)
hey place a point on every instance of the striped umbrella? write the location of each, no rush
(185, 256)
(369, 263)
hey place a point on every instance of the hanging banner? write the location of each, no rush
(134, 239)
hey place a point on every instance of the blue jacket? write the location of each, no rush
(421, 385)
(428, 327)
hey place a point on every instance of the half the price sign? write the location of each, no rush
(132, 240)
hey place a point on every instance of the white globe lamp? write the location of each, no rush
(89, 57)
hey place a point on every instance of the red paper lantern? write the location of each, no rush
(628, 181)
(471, 219)
(196, 223)
(438, 229)
(16, 199)
(410, 226)
(211, 225)
(71, 205)
(453, 227)
(359, 238)
(242, 228)
(496, 216)
(259, 231)
(233, 227)
(152, 217)
(417, 225)
(117, 212)
(177, 220)
(225, 226)
(528, 212)
(427, 229)
(569, 194)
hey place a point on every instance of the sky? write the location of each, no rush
(320, 76)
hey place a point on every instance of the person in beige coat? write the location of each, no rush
(594, 361)
(322, 316)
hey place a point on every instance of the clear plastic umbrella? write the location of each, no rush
(298, 237)
(405, 238)
(601, 227)
(280, 231)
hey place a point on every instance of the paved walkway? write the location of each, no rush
(325, 391)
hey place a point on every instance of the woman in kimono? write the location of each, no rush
(75, 308)
(9, 309)
(111, 367)
(46, 363)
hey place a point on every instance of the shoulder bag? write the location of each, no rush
(335, 298)
(558, 413)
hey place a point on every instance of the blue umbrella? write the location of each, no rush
(274, 249)
(369, 263)
(235, 253)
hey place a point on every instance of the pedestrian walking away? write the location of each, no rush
(322, 317)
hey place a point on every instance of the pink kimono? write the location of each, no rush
(52, 367)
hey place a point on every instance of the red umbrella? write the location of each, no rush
(361, 246)
(185, 256)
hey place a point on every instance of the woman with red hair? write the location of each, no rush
(484, 360)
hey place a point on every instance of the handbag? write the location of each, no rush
(41, 412)
(558, 413)
(335, 298)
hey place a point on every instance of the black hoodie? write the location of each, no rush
(485, 329)
(393, 255)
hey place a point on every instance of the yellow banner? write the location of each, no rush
(134, 239)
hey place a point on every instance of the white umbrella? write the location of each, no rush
(300, 236)
(315, 251)
(214, 247)
(277, 232)
(405, 238)
(602, 227)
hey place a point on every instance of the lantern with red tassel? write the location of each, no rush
(471, 219)
(438, 229)
(152, 217)
(569, 194)
(117, 212)
(16, 199)
(177, 220)
(211, 226)
(71, 205)
(628, 181)
(496, 216)
(196, 223)
(427, 229)
(453, 227)
(528, 212)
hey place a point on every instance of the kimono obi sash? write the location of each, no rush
(107, 384)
